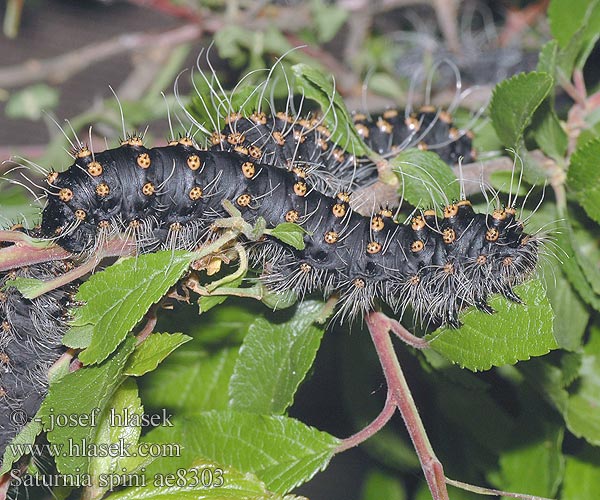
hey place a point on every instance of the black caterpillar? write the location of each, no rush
(30, 343)
(283, 140)
(168, 197)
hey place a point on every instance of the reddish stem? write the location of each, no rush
(23, 254)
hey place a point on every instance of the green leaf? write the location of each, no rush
(316, 86)
(380, 486)
(281, 451)
(548, 132)
(28, 287)
(205, 480)
(567, 17)
(32, 101)
(118, 297)
(582, 476)
(583, 177)
(83, 394)
(328, 19)
(513, 103)
(191, 380)
(582, 416)
(426, 179)
(273, 361)
(515, 332)
(20, 444)
(289, 233)
(119, 427)
(148, 355)
(536, 465)
(548, 58)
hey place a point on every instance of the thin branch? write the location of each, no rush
(61, 68)
(491, 491)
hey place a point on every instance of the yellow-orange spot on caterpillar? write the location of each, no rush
(385, 212)
(83, 152)
(450, 211)
(343, 196)
(186, 141)
(104, 224)
(244, 200)
(414, 280)
(499, 214)
(300, 188)
(448, 235)
(331, 237)
(305, 268)
(507, 261)
(259, 118)
(463, 203)
(217, 138)
(359, 282)
(172, 143)
(338, 155)
(135, 223)
(278, 138)
(193, 161)
(448, 268)
(429, 213)
(454, 133)
(148, 189)
(248, 169)
(445, 117)
(94, 168)
(417, 246)
(175, 226)
(241, 149)
(374, 247)
(481, 260)
(236, 138)
(413, 124)
(362, 130)
(427, 109)
(510, 210)
(492, 234)
(143, 160)
(417, 223)
(323, 144)
(255, 152)
(102, 189)
(195, 193)
(132, 140)
(233, 117)
(323, 130)
(422, 146)
(2, 297)
(339, 209)
(384, 126)
(284, 116)
(377, 223)
(300, 172)
(52, 177)
(59, 230)
(299, 136)
(292, 216)
(65, 194)
(6, 326)
(390, 113)
(359, 117)
(80, 214)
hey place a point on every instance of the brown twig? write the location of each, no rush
(61, 68)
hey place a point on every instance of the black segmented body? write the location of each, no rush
(435, 265)
(30, 343)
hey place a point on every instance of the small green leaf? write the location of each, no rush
(273, 361)
(281, 451)
(328, 19)
(582, 476)
(583, 177)
(148, 355)
(548, 132)
(426, 179)
(191, 380)
(316, 86)
(515, 332)
(204, 481)
(289, 233)
(85, 394)
(28, 287)
(119, 427)
(117, 298)
(548, 58)
(567, 17)
(582, 416)
(513, 103)
(32, 101)
(20, 444)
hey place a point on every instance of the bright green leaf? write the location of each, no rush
(117, 298)
(567, 17)
(513, 103)
(18, 446)
(281, 451)
(289, 233)
(426, 179)
(515, 332)
(582, 476)
(152, 351)
(273, 361)
(548, 132)
(584, 177)
(85, 392)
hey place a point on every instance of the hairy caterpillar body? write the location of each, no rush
(168, 197)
